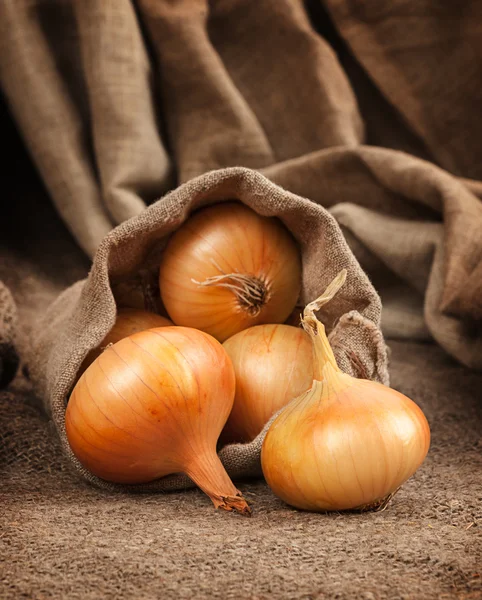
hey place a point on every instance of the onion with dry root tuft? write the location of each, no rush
(346, 443)
(273, 365)
(228, 268)
(154, 404)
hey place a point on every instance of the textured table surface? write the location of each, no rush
(62, 539)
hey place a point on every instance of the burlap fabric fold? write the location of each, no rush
(84, 313)
(119, 101)
(414, 228)
(9, 359)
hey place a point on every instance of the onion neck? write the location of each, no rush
(209, 474)
(322, 351)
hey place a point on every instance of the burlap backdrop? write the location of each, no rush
(81, 317)
(120, 101)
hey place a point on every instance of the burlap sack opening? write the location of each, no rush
(84, 313)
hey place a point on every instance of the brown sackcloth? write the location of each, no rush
(82, 315)
(119, 101)
(63, 538)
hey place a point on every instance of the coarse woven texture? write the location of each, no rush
(408, 221)
(134, 98)
(81, 317)
(62, 538)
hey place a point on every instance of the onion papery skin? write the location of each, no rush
(273, 365)
(128, 322)
(350, 443)
(346, 443)
(226, 245)
(154, 404)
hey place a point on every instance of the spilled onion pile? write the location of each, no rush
(159, 396)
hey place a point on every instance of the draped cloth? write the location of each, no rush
(369, 109)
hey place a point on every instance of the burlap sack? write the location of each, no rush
(189, 87)
(81, 317)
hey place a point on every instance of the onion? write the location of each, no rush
(228, 268)
(346, 443)
(128, 321)
(154, 404)
(273, 365)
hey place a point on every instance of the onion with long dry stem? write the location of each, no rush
(154, 404)
(273, 365)
(228, 268)
(346, 443)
